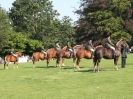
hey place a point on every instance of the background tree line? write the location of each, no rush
(31, 24)
(101, 18)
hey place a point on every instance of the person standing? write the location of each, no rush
(124, 51)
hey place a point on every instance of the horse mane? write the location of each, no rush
(44, 52)
(98, 46)
(18, 54)
(119, 43)
(64, 48)
(78, 46)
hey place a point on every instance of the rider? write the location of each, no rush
(43, 51)
(70, 48)
(90, 47)
(58, 47)
(90, 43)
(108, 44)
(14, 53)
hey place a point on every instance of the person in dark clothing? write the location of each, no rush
(124, 51)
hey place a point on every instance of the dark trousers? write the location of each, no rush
(123, 62)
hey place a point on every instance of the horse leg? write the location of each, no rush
(77, 63)
(115, 63)
(74, 60)
(14, 65)
(48, 60)
(62, 62)
(58, 62)
(98, 65)
(17, 64)
(94, 69)
(95, 65)
(33, 63)
(5, 64)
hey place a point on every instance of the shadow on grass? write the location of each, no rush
(2, 69)
(49, 66)
(67, 67)
(129, 64)
(100, 70)
(84, 70)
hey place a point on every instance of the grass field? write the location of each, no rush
(56, 83)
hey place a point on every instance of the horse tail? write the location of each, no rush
(96, 58)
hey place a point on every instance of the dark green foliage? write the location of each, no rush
(5, 28)
(101, 18)
(40, 21)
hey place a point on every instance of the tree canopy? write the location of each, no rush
(101, 18)
(40, 21)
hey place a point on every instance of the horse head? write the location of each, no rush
(121, 43)
(18, 54)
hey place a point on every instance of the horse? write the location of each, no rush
(51, 53)
(65, 52)
(36, 56)
(12, 58)
(82, 51)
(107, 53)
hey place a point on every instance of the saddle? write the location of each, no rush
(112, 51)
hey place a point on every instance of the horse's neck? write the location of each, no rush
(98, 46)
(15, 55)
(44, 52)
(78, 46)
(64, 48)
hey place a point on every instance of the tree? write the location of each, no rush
(101, 18)
(32, 16)
(66, 31)
(5, 28)
(40, 21)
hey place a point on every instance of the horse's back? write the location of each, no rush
(10, 58)
(102, 52)
(51, 52)
(82, 53)
(38, 55)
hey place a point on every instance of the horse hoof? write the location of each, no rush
(116, 68)
(78, 69)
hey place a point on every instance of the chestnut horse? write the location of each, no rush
(12, 58)
(107, 53)
(81, 51)
(36, 56)
(51, 53)
(65, 52)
